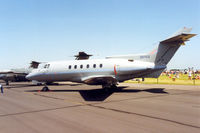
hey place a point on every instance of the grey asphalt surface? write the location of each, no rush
(74, 108)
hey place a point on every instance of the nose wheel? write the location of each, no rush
(45, 88)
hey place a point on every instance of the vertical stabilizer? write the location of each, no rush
(167, 48)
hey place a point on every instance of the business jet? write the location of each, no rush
(108, 72)
(17, 74)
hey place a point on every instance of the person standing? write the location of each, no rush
(1, 87)
(190, 75)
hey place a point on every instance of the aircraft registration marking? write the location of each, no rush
(145, 56)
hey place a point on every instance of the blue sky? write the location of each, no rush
(49, 30)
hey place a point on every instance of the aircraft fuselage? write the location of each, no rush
(78, 70)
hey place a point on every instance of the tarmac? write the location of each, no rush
(74, 108)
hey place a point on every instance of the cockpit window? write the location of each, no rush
(46, 65)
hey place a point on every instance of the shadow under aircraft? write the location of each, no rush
(102, 94)
(16, 85)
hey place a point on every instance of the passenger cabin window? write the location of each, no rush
(101, 65)
(88, 65)
(75, 66)
(70, 66)
(81, 66)
(94, 65)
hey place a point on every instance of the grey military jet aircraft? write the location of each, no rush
(108, 72)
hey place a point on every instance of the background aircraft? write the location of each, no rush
(18, 74)
(108, 72)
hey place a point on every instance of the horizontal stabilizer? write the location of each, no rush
(168, 47)
(179, 38)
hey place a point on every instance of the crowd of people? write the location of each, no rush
(176, 74)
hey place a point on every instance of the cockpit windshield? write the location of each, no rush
(46, 65)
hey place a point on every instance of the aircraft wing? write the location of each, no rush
(99, 80)
(11, 72)
(5, 71)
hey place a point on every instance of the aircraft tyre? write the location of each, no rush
(113, 86)
(45, 89)
(108, 88)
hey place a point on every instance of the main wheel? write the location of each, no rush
(113, 86)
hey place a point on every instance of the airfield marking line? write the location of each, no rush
(79, 104)
(100, 107)
(95, 105)
(132, 113)
(74, 102)
(137, 98)
(37, 111)
(47, 96)
(82, 103)
(143, 115)
(145, 97)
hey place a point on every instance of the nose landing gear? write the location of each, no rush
(45, 88)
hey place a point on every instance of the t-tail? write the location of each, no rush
(164, 52)
(167, 48)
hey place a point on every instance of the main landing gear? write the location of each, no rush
(109, 87)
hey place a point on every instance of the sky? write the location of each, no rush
(50, 30)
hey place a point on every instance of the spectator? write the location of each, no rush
(1, 88)
(190, 75)
(177, 74)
